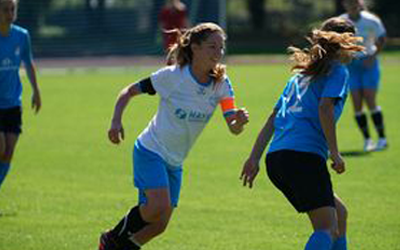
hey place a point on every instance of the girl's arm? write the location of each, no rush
(326, 117)
(36, 99)
(380, 43)
(237, 120)
(251, 166)
(116, 132)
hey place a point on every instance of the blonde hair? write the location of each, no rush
(181, 53)
(335, 40)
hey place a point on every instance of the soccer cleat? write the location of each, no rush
(382, 144)
(369, 145)
(108, 242)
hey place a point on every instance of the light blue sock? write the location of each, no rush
(319, 240)
(4, 167)
(340, 243)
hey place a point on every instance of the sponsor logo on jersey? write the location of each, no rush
(192, 116)
(180, 113)
(6, 62)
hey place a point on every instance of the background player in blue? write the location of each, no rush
(14, 48)
(365, 71)
(190, 91)
(303, 128)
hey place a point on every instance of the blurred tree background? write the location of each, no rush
(129, 27)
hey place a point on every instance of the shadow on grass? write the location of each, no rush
(354, 153)
(7, 214)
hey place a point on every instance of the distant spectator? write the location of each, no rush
(173, 15)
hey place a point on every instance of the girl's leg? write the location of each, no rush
(324, 222)
(142, 223)
(376, 115)
(340, 242)
(8, 142)
(157, 212)
(361, 118)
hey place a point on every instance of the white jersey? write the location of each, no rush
(185, 108)
(370, 28)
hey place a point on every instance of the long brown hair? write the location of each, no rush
(335, 40)
(181, 52)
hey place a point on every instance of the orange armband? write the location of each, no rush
(228, 106)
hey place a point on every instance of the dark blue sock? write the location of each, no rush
(4, 167)
(319, 240)
(340, 243)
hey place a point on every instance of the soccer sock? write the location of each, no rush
(133, 244)
(4, 167)
(340, 243)
(319, 240)
(362, 123)
(377, 117)
(130, 224)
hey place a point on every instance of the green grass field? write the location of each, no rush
(68, 183)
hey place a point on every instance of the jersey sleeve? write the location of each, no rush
(26, 50)
(165, 80)
(282, 99)
(336, 84)
(227, 98)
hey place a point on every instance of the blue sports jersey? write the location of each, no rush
(297, 125)
(14, 48)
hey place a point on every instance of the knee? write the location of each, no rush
(341, 211)
(327, 223)
(332, 229)
(156, 212)
(160, 226)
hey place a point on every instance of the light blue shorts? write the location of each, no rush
(151, 171)
(362, 77)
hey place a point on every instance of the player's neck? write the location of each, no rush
(4, 29)
(200, 73)
(355, 16)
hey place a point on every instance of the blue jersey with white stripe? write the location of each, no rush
(297, 125)
(14, 48)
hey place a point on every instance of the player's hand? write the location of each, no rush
(116, 132)
(338, 163)
(242, 116)
(249, 172)
(36, 102)
(239, 119)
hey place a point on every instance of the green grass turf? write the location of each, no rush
(68, 183)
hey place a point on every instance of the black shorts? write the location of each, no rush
(302, 177)
(11, 120)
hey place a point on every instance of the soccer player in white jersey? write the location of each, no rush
(365, 71)
(190, 90)
(303, 127)
(14, 47)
